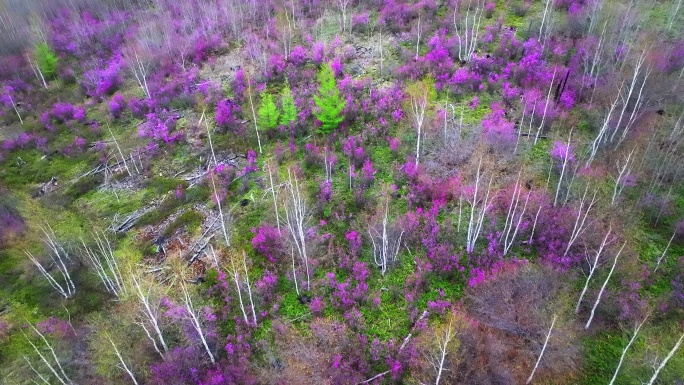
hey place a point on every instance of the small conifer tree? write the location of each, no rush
(329, 101)
(268, 112)
(289, 114)
(46, 60)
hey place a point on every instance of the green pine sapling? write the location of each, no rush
(289, 114)
(329, 101)
(268, 112)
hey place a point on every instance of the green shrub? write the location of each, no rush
(46, 60)
(189, 220)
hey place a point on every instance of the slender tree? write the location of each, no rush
(386, 242)
(268, 112)
(329, 101)
(478, 209)
(420, 94)
(624, 351)
(195, 318)
(541, 354)
(289, 114)
(603, 287)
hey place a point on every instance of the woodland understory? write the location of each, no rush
(341, 192)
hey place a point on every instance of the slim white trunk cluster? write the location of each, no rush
(235, 274)
(580, 221)
(609, 129)
(343, 5)
(623, 173)
(478, 209)
(665, 360)
(116, 143)
(603, 287)
(386, 244)
(224, 228)
(103, 261)
(541, 354)
(512, 225)
(639, 102)
(442, 339)
(58, 256)
(139, 70)
(592, 269)
(296, 221)
(418, 107)
(52, 363)
(545, 26)
(624, 351)
(123, 366)
(195, 320)
(150, 312)
(468, 29)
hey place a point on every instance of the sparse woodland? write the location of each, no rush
(341, 192)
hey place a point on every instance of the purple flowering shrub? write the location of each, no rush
(160, 127)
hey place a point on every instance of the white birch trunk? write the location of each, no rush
(662, 256)
(150, 312)
(296, 218)
(196, 323)
(580, 221)
(124, 366)
(541, 354)
(665, 360)
(592, 269)
(624, 351)
(603, 287)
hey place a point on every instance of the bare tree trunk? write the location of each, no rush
(665, 360)
(57, 255)
(116, 143)
(385, 249)
(662, 256)
(123, 363)
(150, 311)
(580, 221)
(623, 172)
(624, 351)
(479, 206)
(546, 106)
(418, 38)
(273, 194)
(236, 279)
(196, 324)
(56, 368)
(546, 341)
(467, 30)
(249, 287)
(603, 288)
(254, 117)
(565, 163)
(592, 269)
(105, 265)
(443, 341)
(418, 107)
(15, 109)
(507, 238)
(296, 218)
